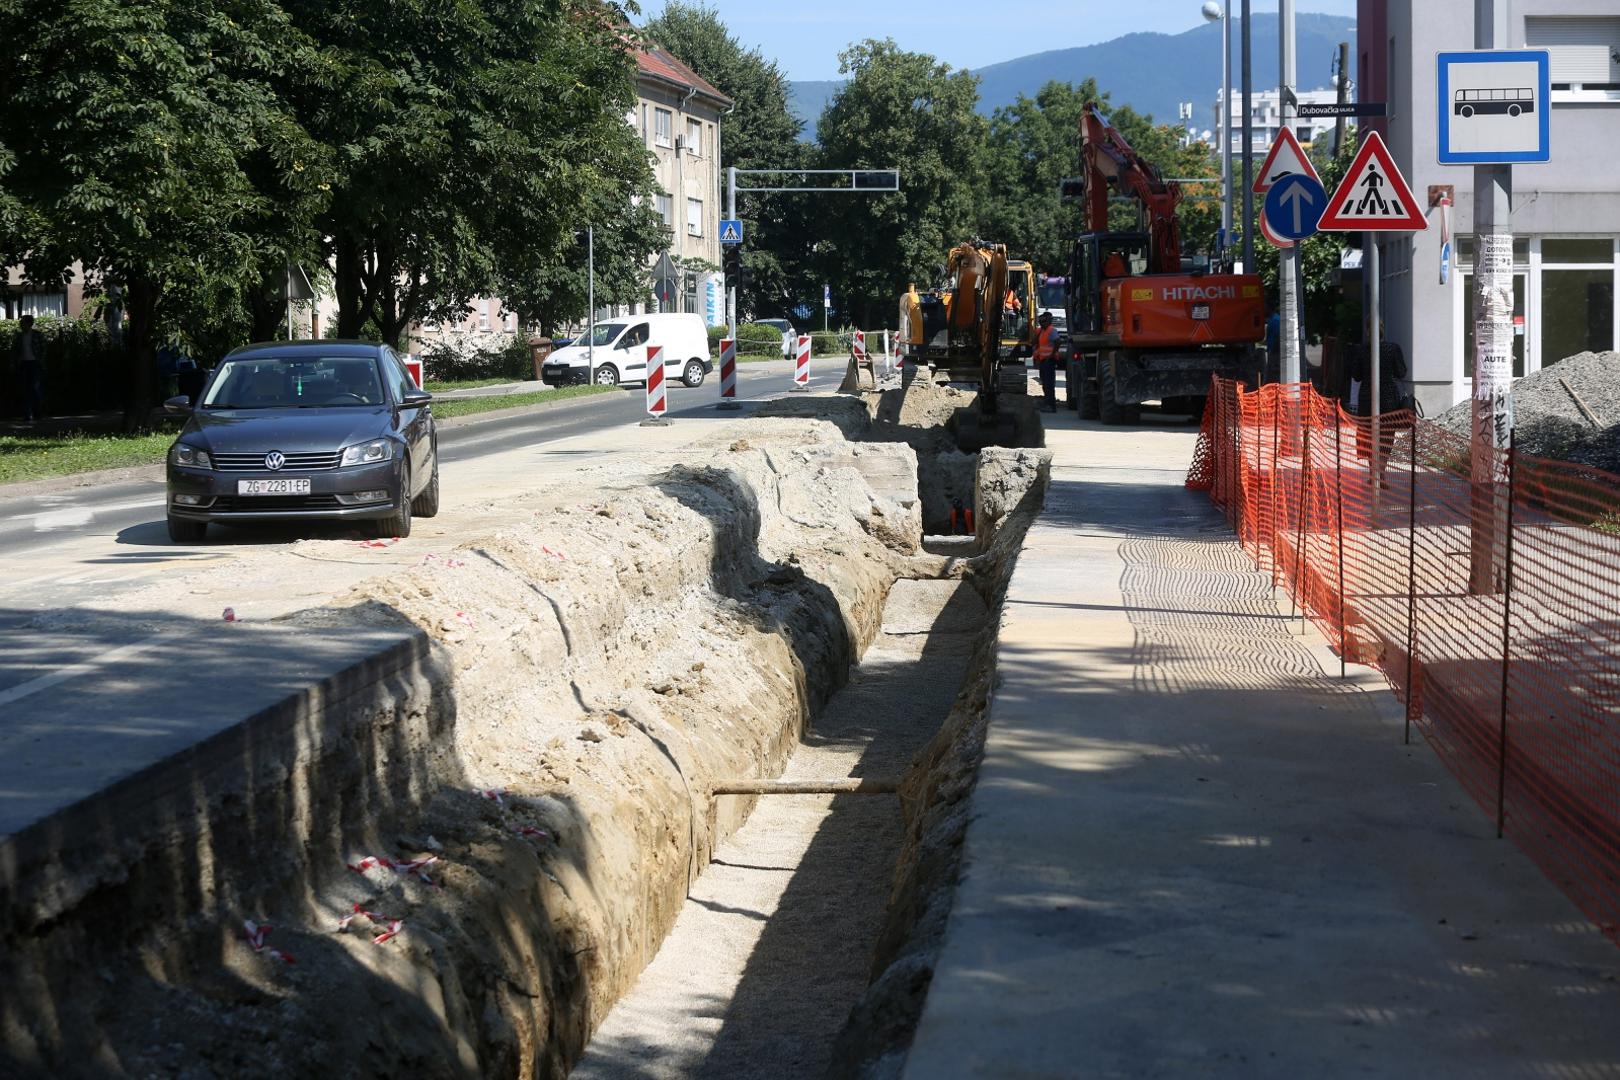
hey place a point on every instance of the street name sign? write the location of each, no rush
(1374, 196)
(1285, 158)
(1294, 205)
(1310, 111)
(1494, 107)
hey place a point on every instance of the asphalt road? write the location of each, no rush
(42, 520)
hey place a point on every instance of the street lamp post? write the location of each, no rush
(1219, 12)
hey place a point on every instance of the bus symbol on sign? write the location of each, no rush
(1513, 102)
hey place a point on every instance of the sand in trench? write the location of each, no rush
(774, 943)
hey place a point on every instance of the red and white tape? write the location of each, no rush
(256, 934)
(392, 927)
(414, 867)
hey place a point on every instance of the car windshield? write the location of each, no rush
(605, 332)
(1051, 294)
(301, 382)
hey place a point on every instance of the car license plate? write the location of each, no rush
(1200, 311)
(273, 487)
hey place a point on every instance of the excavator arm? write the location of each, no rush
(1110, 163)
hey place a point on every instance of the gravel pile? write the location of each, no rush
(1569, 411)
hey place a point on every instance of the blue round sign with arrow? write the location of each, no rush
(1294, 206)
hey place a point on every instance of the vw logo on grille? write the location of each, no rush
(274, 460)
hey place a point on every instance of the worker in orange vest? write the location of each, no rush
(1046, 355)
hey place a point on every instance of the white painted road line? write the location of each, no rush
(82, 515)
(73, 671)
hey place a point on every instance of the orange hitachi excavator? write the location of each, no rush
(1142, 328)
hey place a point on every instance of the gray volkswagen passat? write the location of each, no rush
(288, 431)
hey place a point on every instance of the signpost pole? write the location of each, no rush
(731, 286)
(590, 300)
(1288, 258)
(1375, 345)
(1248, 145)
(1493, 340)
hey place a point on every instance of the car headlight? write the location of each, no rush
(368, 453)
(192, 456)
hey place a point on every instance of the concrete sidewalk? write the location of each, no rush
(1196, 851)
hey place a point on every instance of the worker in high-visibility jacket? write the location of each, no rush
(1046, 357)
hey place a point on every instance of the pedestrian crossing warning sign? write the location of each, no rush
(1374, 196)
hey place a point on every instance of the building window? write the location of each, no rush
(666, 209)
(691, 292)
(663, 128)
(1577, 297)
(1584, 55)
(694, 138)
(483, 315)
(694, 217)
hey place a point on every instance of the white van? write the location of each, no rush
(620, 348)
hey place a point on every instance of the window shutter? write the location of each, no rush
(1584, 51)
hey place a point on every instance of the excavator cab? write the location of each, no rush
(1098, 257)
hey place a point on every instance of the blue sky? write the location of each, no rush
(806, 36)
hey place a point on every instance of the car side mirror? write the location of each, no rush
(416, 397)
(179, 405)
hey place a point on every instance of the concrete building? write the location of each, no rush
(1566, 213)
(19, 298)
(678, 116)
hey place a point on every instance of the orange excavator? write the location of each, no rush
(1141, 326)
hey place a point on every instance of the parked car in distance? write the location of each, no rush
(789, 335)
(305, 430)
(620, 351)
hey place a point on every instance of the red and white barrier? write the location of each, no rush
(657, 393)
(801, 369)
(728, 373)
(860, 346)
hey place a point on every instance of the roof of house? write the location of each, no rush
(655, 63)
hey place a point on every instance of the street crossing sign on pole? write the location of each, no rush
(1285, 158)
(1374, 196)
(1294, 206)
(731, 231)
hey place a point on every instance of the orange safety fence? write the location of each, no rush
(1492, 607)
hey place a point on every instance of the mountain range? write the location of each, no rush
(1152, 73)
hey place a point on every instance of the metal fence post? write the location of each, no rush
(1304, 511)
(1276, 477)
(1411, 589)
(1507, 639)
(1338, 501)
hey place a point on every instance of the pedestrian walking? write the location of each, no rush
(1395, 405)
(1046, 352)
(28, 353)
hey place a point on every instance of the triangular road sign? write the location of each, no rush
(1374, 196)
(1285, 158)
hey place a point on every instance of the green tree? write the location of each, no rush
(152, 147)
(906, 110)
(1033, 144)
(472, 136)
(760, 132)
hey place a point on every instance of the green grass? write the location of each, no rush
(435, 386)
(466, 406)
(34, 457)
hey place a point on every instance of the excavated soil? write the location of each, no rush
(466, 884)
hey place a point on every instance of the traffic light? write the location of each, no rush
(731, 262)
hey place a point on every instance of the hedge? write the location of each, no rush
(454, 359)
(83, 371)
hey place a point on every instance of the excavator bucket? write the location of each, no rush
(858, 376)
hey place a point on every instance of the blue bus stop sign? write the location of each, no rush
(1294, 206)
